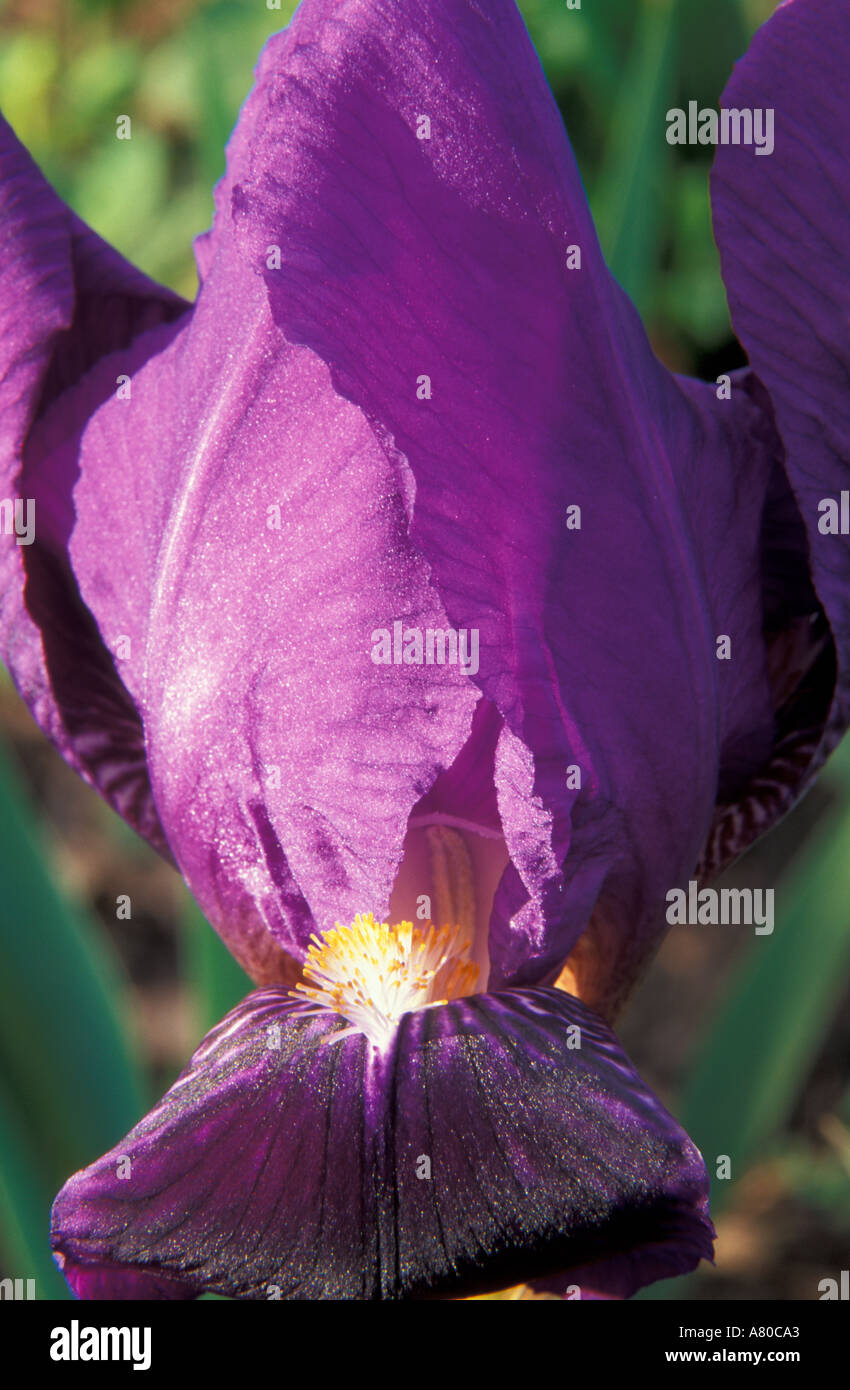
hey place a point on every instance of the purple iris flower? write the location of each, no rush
(395, 584)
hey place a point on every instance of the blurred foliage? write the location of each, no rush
(180, 70)
(60, 1026)
(220, 982)
(69, 68)
(775, 1014)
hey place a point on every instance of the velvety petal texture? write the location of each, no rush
(781, 223)
(498, 1137)
(438, 254)
(65, 300)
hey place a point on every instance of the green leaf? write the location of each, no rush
(121, 188)
(25, 1197)
(226, 39)
(564, 42)
(63, 1048)
(771, 1024)
(29, 62)
(712, 39)
(768, 1030)
(218, 981)
(631, 197)
(691, 291)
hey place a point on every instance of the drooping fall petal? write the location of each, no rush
(66, 299)
(498, 1137)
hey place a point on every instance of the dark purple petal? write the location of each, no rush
(98, 1282)
(781, 224)
(478, 1151)
(66, 299)
(449, 257)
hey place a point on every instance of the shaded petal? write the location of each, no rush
(448, 257)
(284, 1165)
(65, 300)
(781, 224)
(465, 794)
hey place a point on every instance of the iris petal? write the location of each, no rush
(498, 1138)
(781, 225)
(270, 544)
(412, 165)
(66, 300)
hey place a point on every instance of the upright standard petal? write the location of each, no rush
(495, 1139)
(259, 539)
(595, 520)
(66, 299)
(781, 220)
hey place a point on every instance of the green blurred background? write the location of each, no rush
(747, 1039)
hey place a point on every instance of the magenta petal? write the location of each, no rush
(499, 1138)
(65, 300)
(412, 166)
(781, 224)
